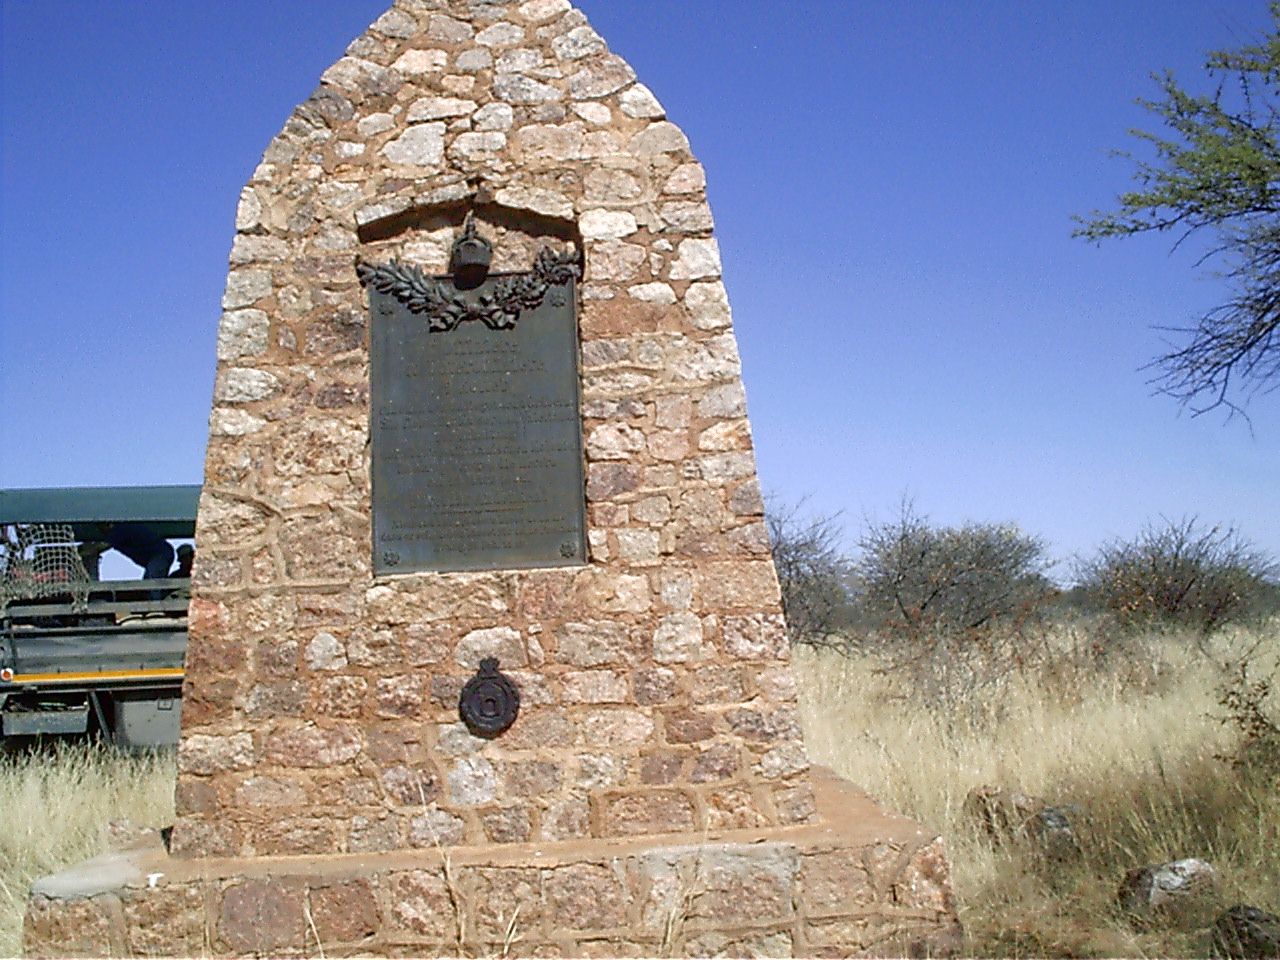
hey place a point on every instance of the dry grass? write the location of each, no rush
(1132, 742)
(57, 802)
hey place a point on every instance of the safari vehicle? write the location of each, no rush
(77, 653)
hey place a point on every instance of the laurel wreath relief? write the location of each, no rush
(445, 307)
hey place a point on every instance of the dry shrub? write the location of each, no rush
(1135, 749)
(953, 608)
(57, 801)
(1180, 574)
(812, 573)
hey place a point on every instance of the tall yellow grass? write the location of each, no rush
(57, 802)
(1131, 743)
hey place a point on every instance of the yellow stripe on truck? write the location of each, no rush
(155, 674)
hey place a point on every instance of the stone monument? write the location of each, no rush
(486, 649)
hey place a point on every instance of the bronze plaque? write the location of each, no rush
(476, 430)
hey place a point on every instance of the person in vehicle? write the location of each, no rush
(186, 557)
(137, 541)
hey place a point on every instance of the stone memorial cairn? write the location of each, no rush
(486, 648)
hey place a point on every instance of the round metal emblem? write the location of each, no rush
(489, 701)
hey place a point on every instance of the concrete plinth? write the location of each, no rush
(858, 882)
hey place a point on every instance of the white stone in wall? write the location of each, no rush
(455, 740)
(471, 146)
(696, 260)
(604, 353)
(395, 23)
(352, 73)
(338, 196)
(687, 216)
(203, 754)
(374, 124)
(599, 770)
(707, 305)
(437, 108)
(494, 116)
(638, 546)
(347, 149)
(440, 27)
(447, 194)
(436, 828)
(326, 652)
(656, 292)
(608, 185)
(520, 60)
(431, 248)
(594, 686)
(577, 43)
(678, 639)
(333, 238)
(616, 728)
(724, 436)
(783, 761)
(420, 146)
(593, 111)
(600, 143)
(614, 441)
(385, 208)
(638, 101)
(660, 137)
(500, 34)
(505, 643)
(729, 400)
(687, 178)
(606, 224)
(414, 63)
(234, 423)
(718, 467)
(245, 385)
(249, 210)
(252, 248)
(519, 89)
(540, 11)
(614, 260)
(715, 360)
(243, 333)
(472, 781)
(474, 60)
(603, 77)
(245, 288)
(551, 142)
(598, 542)
(546, 202)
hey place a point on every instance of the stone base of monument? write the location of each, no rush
(860, 882)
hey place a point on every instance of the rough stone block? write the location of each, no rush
(261, 916)
(585, 897)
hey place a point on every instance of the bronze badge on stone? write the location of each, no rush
(489, 701)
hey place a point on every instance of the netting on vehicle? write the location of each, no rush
(40, 560)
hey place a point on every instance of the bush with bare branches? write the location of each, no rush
(1178, 573)
(957, 606)
(812, 573)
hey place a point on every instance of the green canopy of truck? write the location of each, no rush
(169, 510)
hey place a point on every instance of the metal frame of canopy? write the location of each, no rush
(170, 510)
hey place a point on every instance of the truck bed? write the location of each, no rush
(118, 658)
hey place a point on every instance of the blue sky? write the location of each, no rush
(893, 184)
